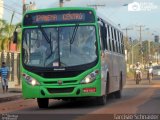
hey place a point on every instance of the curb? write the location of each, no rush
(10, 98)
(15, 91)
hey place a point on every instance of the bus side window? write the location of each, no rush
(110, 38)
(122, 43)
(119, 49)
(113, 45)
(100, 38)
(117, 41)
(103, 37)
(107, 38)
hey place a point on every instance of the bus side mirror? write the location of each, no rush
(15, 37)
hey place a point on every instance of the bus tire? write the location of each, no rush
(107, 86)
(101, 100)
(118, 94)
(43, 102)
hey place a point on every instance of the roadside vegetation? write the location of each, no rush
(6, 35)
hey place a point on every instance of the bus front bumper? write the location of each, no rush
(58, 92)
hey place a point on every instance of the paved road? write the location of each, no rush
(137, 99)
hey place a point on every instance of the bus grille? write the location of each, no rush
(59, 74)
(56, 82)
(60, 90)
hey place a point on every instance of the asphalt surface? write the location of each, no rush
(136, 100)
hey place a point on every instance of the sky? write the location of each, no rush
(115, 11)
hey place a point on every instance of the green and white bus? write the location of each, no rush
(70, 53)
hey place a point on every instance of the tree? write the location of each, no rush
(6, 33)
(3, 33)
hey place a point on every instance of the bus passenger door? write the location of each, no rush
(104, 67)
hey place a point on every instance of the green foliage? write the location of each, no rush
(6, 33)
(19, 40)
(142, 52)
(130, 74)
(3, 28)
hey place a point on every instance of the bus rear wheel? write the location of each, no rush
(118, 94)
(43, 102)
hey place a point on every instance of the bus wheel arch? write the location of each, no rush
(121, 80)
(107, 82)
(102, 100)
(118, 94)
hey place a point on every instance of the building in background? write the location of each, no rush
(1, 9)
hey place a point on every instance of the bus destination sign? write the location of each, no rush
(58, 17)
(61, 17)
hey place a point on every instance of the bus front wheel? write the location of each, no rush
(101, 100)
(42, 102)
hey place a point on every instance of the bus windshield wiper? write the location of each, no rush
(73, 35)
(45, 34)
(48, 40)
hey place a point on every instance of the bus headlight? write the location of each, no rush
(30, 80)
(90, 78)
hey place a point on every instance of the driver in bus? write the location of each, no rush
(39, 52)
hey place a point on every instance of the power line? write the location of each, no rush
(140, 38)
(12, 7)
(11, 10)
(17, 4)
(96, 5)
(140, 32)
(126, 30)
(12, 13)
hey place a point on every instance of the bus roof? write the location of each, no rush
(61, 8)
(64, 15)
(108, 21)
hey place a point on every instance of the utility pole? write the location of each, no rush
(31, 6)
(126, 31)
(24, 6)
(140, 33)
(149, 45)
(61, 3)
(132, 49)
(9, 33)
(96, 6)
(140, 38)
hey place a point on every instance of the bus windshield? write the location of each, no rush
(59, 46)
